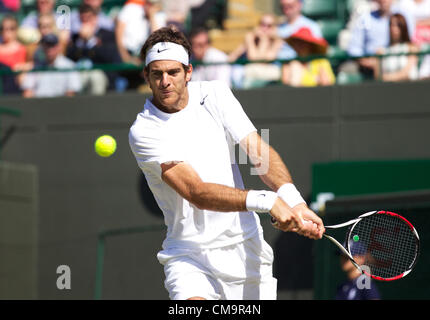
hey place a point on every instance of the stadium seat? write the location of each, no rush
(27, 3)
(70, 3)
(109, 4)
(316, 9)
(330, 29)
(349, 78)
(27, 6)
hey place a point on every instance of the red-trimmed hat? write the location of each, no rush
(139, 2)
(305, 34)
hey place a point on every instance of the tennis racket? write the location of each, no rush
(387, 241)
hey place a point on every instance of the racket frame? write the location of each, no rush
(347, 251)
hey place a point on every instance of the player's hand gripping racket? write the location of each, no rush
(387, 241)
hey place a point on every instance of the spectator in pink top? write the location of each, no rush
(10, 5)
(13, 54)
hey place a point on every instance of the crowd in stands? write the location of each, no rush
(290, 48)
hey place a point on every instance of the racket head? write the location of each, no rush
(386, 243)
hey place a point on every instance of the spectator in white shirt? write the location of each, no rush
(420, 10)
(402, 67)
(294, 20)
(42, 7)
(52, 83)
(203, 52)
(135, 22)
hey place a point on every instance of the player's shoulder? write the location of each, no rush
(146, 125)
(195, 85)
(208, 87)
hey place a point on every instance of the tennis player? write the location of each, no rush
(183, 141)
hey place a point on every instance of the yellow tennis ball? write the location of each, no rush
(105, 146)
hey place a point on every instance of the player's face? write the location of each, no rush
(168, 82)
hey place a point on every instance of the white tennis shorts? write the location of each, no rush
(241, 271)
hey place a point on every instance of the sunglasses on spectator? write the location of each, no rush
(265, 24)
(8, 29)
(45, 25)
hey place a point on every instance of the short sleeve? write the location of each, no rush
(325, 65)
(124, 13)
(74, 82)
(233, 117)
(356, 47)
(153, 146)
(29, 81)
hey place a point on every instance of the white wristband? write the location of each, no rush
(289, 193)
(260, 201)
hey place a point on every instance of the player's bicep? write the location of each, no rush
(181, 177)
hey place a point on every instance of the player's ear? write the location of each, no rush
(145, 74)
(189, 73)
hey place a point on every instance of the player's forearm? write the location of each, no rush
(271, 169)
(216, 197)
(277, 172)
(267, 162)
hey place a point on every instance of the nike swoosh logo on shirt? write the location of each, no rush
(203, 100)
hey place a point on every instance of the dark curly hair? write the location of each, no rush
(166, 34)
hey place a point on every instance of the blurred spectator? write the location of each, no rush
(42, 7)
(136, 20)
(294, 21)
(177, 12)
(12, 53)
(352, 289)
(371, 32)
(403, 67)
(420, 10)
(103, 21)
(203, 52)
(209, 14)
(46, 25)
(317, 72)
(93, 44)
(52, 83)
(356, 9)
(260, 44)
(36, 24)
(424, 68)
(9, 5)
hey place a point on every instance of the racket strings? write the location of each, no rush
(386, 242)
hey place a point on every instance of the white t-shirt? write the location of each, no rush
(137, 28)
(213, 72)
(396, 63)
(55, 83)
(203, 134)
(419, 10)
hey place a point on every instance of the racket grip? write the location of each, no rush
(272, 220)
